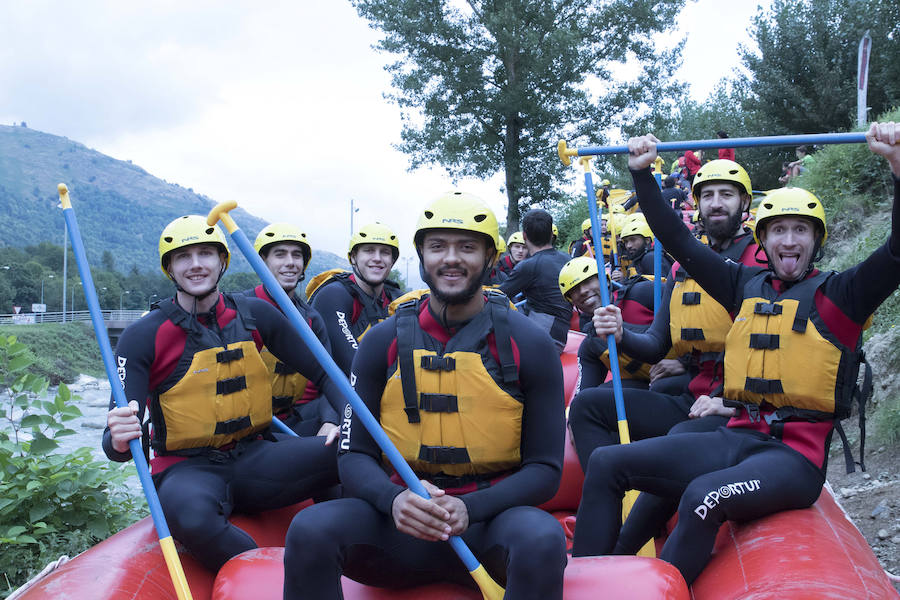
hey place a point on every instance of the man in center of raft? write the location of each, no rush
(464, 387)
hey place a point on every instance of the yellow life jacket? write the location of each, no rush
(220, 390)
(696, 321)
(454, 410)
(780, 351)
(288, 386)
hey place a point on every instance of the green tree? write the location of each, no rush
(491, 85)
(803, 75)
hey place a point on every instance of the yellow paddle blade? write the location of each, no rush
(175, 570)
(489, 588)
(649, 549)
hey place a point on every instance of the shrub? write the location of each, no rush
(50, 503)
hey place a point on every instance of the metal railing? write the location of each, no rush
(78, 315)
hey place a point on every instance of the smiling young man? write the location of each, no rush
(351, 303)
(516, 252)
(791, 361)
(295, 400)
(194, 363)
(470, 392)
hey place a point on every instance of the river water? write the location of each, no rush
(93, 401)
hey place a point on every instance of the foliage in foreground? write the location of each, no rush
(50, 503)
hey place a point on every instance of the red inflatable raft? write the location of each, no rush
(803, 554)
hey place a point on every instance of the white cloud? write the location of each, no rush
(276, 105)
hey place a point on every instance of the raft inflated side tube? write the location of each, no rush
(489, 588)
(176, 572)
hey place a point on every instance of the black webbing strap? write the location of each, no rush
(230, 386)
(633, 366)
(243, 311)
(432, 362)
(680, 274)
(446, 403)
(448, 482)
(232, 425)
(862, 396)
(226, 356)
(690, 298)
(710, 357)
(764, 341)
(500, 318)
(407, 315)
(759, 385)
(849, 463)
(445, 455)
(767, 308)
(281, 403)
(283, 369)
(691, 334)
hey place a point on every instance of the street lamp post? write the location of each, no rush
(352, 210)
(150, 303)
(49, 276)
(120, 298)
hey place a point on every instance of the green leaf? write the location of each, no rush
(19, 363)
(41, 445)
(34, 421)
(15, 530)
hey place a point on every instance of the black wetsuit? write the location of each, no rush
(348, 315)
(749, 469)
(517, 543)
(537, 277)
(306, 417)
(199, 493)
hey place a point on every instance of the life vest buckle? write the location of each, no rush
(446, 403)
(447, 455)
(433, 362)
(767, 308)
(226, 356)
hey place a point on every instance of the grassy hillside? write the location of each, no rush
(61, 351)
(120, 207)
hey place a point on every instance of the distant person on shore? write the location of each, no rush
(194, 362)
(725, 153)
(692, 162)
(801, 165)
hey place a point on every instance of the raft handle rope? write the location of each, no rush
(166, 543)
(489, 588)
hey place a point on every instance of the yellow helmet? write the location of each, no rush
(375, 233)
(555, 230)
(790, 202)
(721, 170)
(636, 225)
(585, 225)
(283, 233)
(574, 272)
(458, 210)
(187, 231)
(516, 238)
(501, 246)
(605, 182)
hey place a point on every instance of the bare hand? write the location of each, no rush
(459, 514)
(607, 320)
(705, 405)
(616, 276)
(884, 140)
(421, 518)
(124, 426)
(330, 431)
(667, 367)
(642, 151)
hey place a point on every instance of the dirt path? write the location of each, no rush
(872, 499)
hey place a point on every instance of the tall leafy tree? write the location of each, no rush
(493, 84)
(803, 73)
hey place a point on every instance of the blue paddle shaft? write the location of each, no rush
(340, 380)
(109, 363)
(747, 142)
(604, 290)
(657, 265)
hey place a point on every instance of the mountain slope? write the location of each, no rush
(120, 207)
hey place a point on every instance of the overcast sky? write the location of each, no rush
(276, 105)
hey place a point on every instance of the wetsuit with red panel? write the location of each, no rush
(511, 460)
(208, 463)
(349, 312)
(765, 460)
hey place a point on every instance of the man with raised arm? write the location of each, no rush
(792, 321)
